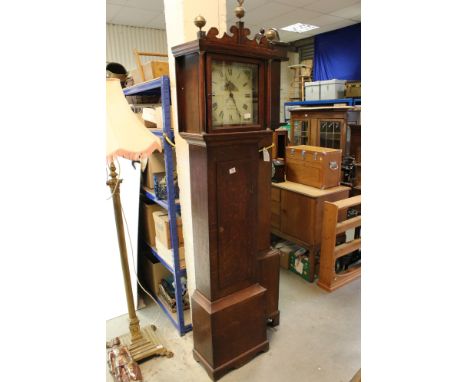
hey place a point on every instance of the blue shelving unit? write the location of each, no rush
(161, 86)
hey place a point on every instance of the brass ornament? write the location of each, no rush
(239, 11)
(272, 35)
(199, 22)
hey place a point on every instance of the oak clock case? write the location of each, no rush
(237, 274)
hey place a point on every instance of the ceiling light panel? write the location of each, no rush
(299, 28)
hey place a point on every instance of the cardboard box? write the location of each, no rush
(167, 254)
(353, 89)
(286, 248)
(155, 69)
(157, 116)
(155, 165)
(163, 232)
(153, 273)
(300, 265)
(149, 229)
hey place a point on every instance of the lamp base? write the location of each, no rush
(149, 345)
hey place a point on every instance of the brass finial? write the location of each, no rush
(200, 23)
(272, 35)
(240, 11)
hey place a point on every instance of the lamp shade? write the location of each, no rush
(127, 136)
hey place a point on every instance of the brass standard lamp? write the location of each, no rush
(127, 137)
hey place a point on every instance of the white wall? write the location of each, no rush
(286, 78)
(121, 40)
(180, 28)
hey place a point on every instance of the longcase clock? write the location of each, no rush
(228, 102)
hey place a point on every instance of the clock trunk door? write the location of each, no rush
(236, 182)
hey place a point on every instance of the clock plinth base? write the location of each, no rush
(229, 332)
(220, 371)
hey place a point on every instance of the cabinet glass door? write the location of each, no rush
(301, 132)
(330, 133)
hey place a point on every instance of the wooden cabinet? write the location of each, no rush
(322, 126)
(297, 213)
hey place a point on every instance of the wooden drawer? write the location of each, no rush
(275, 194)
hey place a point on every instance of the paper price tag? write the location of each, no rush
(266, 155)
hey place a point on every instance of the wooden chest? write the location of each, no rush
(313, 166)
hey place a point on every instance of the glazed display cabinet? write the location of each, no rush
(323, 126)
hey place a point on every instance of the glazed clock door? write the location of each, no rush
(236, 181)
(235, 93)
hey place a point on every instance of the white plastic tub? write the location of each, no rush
(332, 89)
(312, 91)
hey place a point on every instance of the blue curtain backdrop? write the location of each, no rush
(338, 54)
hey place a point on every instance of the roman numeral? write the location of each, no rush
(244, 106)
(245, 85)
(221, 114)
(230, 71)
(215, 106)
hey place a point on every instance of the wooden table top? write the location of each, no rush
(307, 190)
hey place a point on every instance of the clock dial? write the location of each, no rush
(234, 93)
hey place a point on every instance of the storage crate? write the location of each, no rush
(332, 89)
(353, 89)
(312, 91)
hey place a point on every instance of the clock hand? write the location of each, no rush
(235, 104)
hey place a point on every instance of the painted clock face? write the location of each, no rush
(234, 88)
